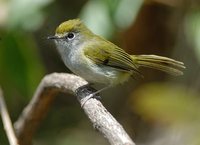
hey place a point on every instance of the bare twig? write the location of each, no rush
(35, 111)
(102, 120)
(6, 121)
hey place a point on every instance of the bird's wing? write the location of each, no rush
(105, 53)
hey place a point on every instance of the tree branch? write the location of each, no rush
(51, 84)
(7, 121)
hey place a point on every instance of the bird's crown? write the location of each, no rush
(70, 25)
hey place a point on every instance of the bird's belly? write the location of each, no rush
(93, 73)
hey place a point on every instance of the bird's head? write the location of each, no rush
(71, 33)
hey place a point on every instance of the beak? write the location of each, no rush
(52, 37)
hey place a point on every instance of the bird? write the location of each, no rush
(100, 61)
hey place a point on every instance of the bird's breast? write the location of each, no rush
(79, 64)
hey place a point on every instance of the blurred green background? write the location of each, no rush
(157, 110)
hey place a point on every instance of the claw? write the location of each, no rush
(86, 99)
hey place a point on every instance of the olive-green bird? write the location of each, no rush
(100, 61)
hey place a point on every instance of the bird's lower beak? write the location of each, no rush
(52, 37)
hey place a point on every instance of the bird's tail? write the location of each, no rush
(165, 64)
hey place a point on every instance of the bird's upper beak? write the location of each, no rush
(52, 37)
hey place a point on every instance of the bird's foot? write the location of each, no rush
(85, 93)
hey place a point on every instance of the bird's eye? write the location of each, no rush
(70, 36)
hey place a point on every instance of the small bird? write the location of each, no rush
(97, 60)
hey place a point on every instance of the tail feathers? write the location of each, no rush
(161, 63)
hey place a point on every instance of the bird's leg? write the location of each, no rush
(84, 87)
(84, 90)
(94, 95)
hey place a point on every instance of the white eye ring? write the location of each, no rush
(70, 36)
